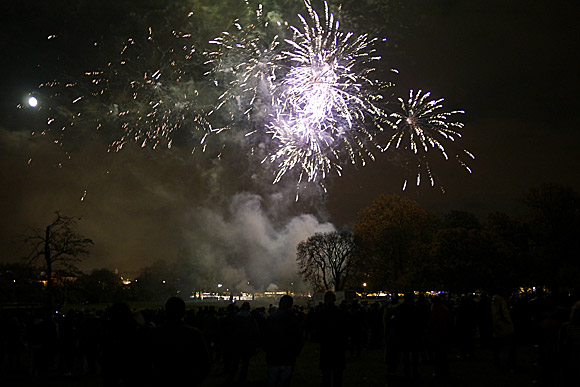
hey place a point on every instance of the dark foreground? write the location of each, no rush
(368, 370)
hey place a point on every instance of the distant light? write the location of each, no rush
(32, 101)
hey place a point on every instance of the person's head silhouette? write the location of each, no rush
(174, 309)
(329, 297)
(286, 302)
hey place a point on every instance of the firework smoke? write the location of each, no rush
(305, 100)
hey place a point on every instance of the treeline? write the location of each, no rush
(400, 246)
(20, 283)
(405, 247)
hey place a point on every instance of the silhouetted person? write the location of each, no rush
(484, 324)
(466, 324)
(333, 340)
(12, 344)
(227, 340)
(503, 343)
(180, 355)
(43, 344)
(375, 325)
(439, 332)
(67, 327)
(423, 312)
(123, 348)
(245, 343)
(408, 333)
(90, 332)
(209, 326)
(569, 349)
(392, 341)
(283, 340)
(551, 317)
(357, 329)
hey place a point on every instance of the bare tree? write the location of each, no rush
(57, 245)
(327, 260)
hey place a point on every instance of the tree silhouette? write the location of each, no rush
(461, 219)
(395, 234)
(327, 260)
(57, 245)
(553, 217)
(511, 243)
(462, 260)
(101, 285)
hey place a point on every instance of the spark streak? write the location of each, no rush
(421, 126)
(327, 103)
(313, 97)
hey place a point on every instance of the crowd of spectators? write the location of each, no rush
(159, 347)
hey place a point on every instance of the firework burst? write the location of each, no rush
(328, 105)
(243, 66)
(299, 146)
(422, 125)
(312, 96)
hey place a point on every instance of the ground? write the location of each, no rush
(368, 371)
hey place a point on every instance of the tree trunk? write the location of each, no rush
(48, 259)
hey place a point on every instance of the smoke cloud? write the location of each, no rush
(224, 218)
(247, 248)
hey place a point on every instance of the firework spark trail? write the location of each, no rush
(302, 147)
(144, 92)
(313, 101)
(326, 107)
(325, 99)
(244, 63)
(421, 126)
(161, 100)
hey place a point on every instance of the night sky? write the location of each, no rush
(512, 66)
